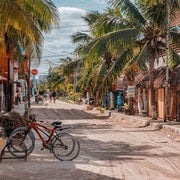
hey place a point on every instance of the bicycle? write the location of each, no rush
(64, 146)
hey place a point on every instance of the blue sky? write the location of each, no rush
(58, 43)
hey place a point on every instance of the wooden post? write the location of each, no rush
(167, 62)
(28, 83)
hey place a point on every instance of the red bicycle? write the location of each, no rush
(64, 146)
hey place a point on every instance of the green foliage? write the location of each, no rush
(22, 24)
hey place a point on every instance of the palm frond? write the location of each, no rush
(174, 58)
(120, 64)
(129, 9)
(70, 67)
(143, 56)
(123, 36)
(175, 35)
(91, 17)
(26, 20)
(80, 37)
(99, 47)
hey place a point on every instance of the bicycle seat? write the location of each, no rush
(57, 124)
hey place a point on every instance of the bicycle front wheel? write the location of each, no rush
(65, 147)
(20, 142)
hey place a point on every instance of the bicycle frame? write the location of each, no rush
(41, 128)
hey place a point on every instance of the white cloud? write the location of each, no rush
(58, 43)
(59, 40)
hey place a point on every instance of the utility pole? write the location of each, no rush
(28, 81)
(167, 61)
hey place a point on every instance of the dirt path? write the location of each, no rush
(110, 149)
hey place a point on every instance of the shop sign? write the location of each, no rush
(131, 91)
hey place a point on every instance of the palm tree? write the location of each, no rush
(98, 73)
(143, 31)
(61, 78)
(22, 24)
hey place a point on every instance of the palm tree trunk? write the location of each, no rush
(99, 92)
(111, 100)
(152, 90)
(139, 102)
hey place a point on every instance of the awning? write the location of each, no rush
(2, 78)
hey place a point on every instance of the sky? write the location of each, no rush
(57, 43)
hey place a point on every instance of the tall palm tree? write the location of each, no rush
(22, 24)
(102, 70)
(146, 26)
(61, 78)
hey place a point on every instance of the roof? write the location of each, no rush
(176, 19)
(160, 77)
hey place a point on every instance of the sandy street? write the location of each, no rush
(110, 149)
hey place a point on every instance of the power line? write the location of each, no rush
(59, 27)
(57, 55)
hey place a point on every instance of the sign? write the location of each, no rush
(131, 91)
(34, 71)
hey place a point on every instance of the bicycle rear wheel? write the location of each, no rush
(65, 147)
(20, 143)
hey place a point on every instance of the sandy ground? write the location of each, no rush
(111, 148)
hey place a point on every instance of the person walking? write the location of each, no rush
(54, 96)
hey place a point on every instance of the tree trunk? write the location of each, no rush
(152, 90)
(172, 105)
(144, 102)
(111, 100)
(139, 101)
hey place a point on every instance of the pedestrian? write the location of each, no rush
(18, 97)
(50, 97)
(54, 96)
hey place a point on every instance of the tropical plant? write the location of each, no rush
(22, 24)
(98, 73)
(140, 32)
(62, 78)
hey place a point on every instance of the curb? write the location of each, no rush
(145, 121)
(173, 128)
(138, 119)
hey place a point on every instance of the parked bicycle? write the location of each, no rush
(64, 146)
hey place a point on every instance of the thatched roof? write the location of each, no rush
(176, 20)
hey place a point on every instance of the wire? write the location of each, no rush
(59, 27)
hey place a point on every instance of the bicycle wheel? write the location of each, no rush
(20, 143)
(65, 147)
